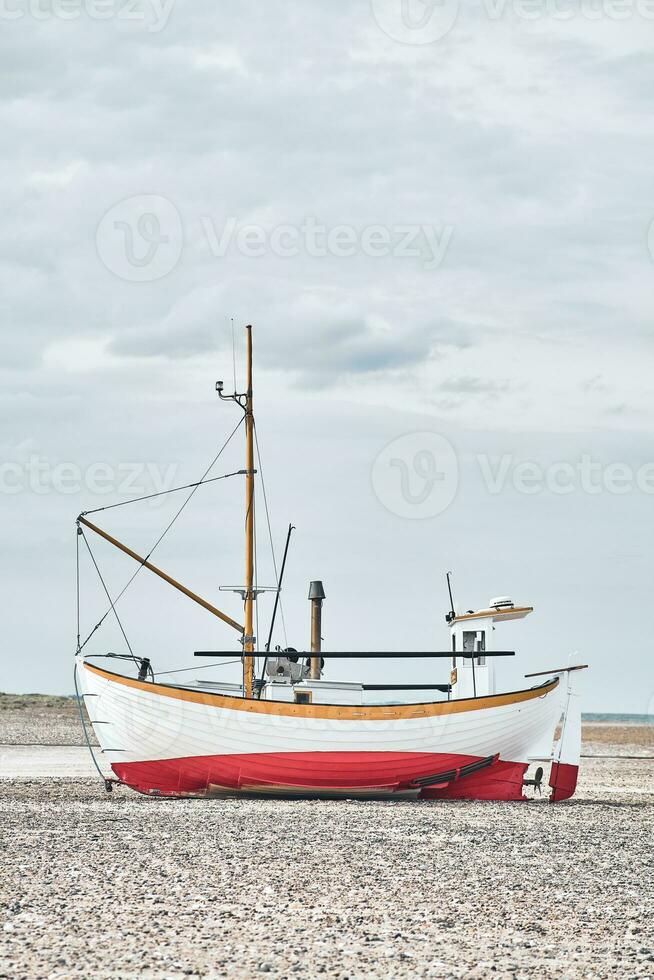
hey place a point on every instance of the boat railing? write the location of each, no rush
(375, 654)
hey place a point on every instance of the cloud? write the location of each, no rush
(595, 383)
(475, 386)
(319, 338)
(189, 328)
(532, 142)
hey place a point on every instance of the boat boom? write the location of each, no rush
(167, 578)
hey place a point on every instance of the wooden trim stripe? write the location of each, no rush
(500, 613)
(338, 712)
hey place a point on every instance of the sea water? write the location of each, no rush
(618, 719)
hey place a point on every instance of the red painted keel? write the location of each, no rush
(563, 780)
(338, 772)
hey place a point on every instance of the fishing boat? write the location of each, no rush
(287, 728)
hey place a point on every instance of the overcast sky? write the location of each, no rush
(438, 220)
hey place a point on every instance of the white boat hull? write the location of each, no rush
(166, 740)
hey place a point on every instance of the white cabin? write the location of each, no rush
(472, 639)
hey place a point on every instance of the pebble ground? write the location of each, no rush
(119, 885)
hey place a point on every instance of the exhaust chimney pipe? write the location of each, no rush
(316, 595)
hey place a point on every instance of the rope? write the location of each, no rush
(272, 546)
(161, 493)
(165, 532)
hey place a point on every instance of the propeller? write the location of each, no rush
(536, 782)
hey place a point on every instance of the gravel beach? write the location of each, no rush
(119, 885)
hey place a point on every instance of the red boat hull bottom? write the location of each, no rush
(333, 773)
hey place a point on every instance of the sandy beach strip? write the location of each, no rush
(120, 885)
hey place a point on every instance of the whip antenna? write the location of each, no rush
(451, 614)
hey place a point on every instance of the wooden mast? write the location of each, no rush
(248, 639)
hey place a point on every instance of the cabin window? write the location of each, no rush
(303, 697)
(469, 639)
(474, 640)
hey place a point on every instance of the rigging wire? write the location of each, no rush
(234, 354)
(272, 546)
(167, 529)
(113, 605)
(161, 493)
(182, 670)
